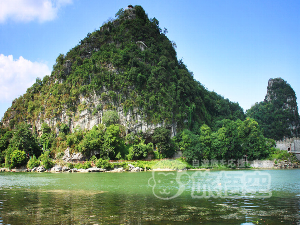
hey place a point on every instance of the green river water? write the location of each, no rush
(192, 197)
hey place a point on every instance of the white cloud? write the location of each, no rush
(18, 75)
(28, 10)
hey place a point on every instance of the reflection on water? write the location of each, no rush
(128, 198)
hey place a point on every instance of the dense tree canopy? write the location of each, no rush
(233, 140)
(18, 145)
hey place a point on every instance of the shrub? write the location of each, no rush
(70, 165)
(46, 161)
(110, 117)
(118, 156)
(104, 96)
(171, 164)
(124, 165)
(46, 129)
(33, 162)
(94, 112)
(77, 165)
(93, 159)
(64, 128)
(157, 155)
(84, 165)
(99, 107)
(282, 155)
(144, 164)
(102, 163)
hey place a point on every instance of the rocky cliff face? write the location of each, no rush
(279, 90)
(133, 121)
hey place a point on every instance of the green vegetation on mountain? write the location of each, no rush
(278, 113)
(129, 63)
(151, 80)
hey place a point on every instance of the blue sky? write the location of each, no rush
(233, 47)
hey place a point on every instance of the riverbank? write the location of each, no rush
(163, 165)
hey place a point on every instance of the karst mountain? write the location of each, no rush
(127, 67)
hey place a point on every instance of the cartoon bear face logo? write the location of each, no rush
(167, 185)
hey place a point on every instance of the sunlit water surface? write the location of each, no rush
(147, 198)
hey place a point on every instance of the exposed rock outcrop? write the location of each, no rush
(134, 169)
(133, 121)
(75, 157)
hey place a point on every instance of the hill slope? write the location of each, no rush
(128, 66)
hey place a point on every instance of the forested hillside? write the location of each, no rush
(278, 113)
(120, 93)
(111, 64)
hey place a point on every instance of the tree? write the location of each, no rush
(110, 117)
(219, 144)
(92, 141)
(255, 145)
(18, 158)
(161, 138)
(47, 137)
(205, 140)
(139, 151)
(113, 143)
(189, 144)
(120, 13)
(4, 143)
(233, 139)
(75, 138)
(24, 140)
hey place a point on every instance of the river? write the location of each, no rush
(194, 197)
